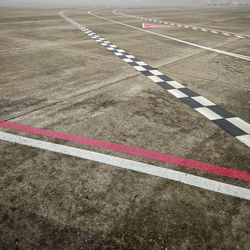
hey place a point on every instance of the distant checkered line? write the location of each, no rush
(225, 120)
(214, 31)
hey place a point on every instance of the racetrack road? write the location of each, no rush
(96, 151)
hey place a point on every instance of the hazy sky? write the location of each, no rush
(109, 2)
(99, 2)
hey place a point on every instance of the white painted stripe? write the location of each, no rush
(208, 113)
(170, 174)
(176, 39)
(202, 100)
(240, 124)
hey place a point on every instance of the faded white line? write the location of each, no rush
(175, 39)
(169, 174)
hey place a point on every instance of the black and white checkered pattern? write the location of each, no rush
(227, 121)
(193, 27)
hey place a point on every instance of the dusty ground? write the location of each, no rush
(53, 76)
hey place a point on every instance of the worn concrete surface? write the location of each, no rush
(53, 76)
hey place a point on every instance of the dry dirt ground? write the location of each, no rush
(55, 77)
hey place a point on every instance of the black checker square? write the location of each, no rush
(191, 102)
(132, 63)
(148, 67)
(229, 127)
(220, 111)
(165, 85)
(146, 72)
(165, 78)
(188, 92)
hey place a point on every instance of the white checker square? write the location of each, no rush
(113, 46)
(121, 50)
(245, 139)
(129, 56)
(110, 48)
(209, 114)
(203, 101)
(119, 54)
(139, 68)
(177, 93)
(155, 78)
(175, 84)
(127, 60)
(240, 124)
(141, 63)
(156, 72)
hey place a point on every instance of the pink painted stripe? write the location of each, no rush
(131, 150)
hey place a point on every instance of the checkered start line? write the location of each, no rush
(193, 27)
(225, 120)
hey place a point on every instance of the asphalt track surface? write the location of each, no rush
(134, 166)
